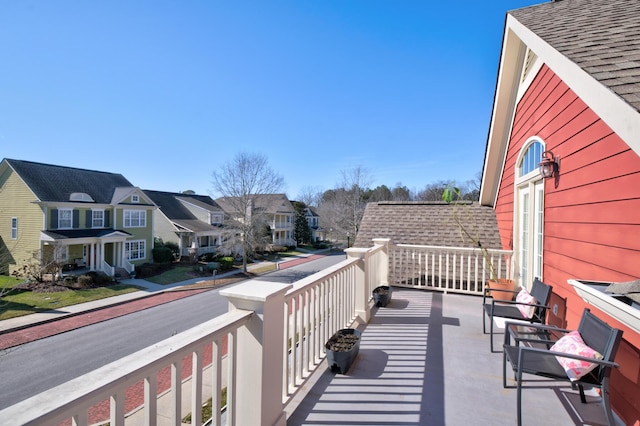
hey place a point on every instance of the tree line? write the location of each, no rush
(340, 209)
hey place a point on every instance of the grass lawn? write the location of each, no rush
(173, 275)
(16, 303)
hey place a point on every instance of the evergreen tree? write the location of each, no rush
(302, 233)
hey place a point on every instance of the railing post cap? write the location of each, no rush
(382, 241)
(255, 290)
(357, 251)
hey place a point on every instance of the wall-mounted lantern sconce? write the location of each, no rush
(550, 165)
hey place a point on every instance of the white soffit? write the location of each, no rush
(509, 74)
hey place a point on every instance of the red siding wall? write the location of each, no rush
(592, 219)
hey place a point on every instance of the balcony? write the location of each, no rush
(423, 359)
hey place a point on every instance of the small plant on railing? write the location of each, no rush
(468, 228)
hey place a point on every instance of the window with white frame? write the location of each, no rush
(216, 219)
(135, 218)
(135, 250)
(14, 228)
(529, 213)
(97, 218)
(65, 218)
(135, 199)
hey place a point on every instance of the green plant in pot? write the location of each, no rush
(465, 221)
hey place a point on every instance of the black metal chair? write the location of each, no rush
(509, 309)
(542, 362)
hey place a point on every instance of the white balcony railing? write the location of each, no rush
(448, 269)
(276, 334)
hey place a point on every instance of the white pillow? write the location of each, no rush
(572, 343)
(526, 310)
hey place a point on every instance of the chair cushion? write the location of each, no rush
(572, 343)
(524, 297)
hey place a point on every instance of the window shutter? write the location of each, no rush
(107, 215)
(88, 219)
(53, 215)
(76, 219)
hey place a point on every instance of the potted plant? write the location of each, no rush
(382, 295)
(342, 349)
(466, 225)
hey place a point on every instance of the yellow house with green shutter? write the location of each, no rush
(84, 218)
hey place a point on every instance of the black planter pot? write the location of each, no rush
(342, 349)
(382, 295)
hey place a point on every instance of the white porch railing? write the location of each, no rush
(448, 269)
(276, 335)
(73, 399)
(128, 266)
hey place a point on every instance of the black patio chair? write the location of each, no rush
(509, 309)
(542, 362)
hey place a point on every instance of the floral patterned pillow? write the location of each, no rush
(524, 297)
(572, 343)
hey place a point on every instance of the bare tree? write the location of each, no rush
(310, 195)
(241, 182)
(434, 191)
(341, 209)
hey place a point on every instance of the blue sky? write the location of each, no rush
(164, 92)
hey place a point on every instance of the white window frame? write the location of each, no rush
(216, 218)
(135, 198)
(135, 219)
(97, 222)
(60, 219)
(529, 225)
(14, 228)
(135, 250)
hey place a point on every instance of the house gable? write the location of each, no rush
(590, 46)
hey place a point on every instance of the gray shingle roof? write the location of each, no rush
(602, 37)
(263, 203)
(425, 223)
(56, 183)
(170, 205)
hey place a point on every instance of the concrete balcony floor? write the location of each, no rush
(424, 360)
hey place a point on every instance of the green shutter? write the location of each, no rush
(107, 216)
(76, 218)
(88, 219)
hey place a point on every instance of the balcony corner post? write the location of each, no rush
(362, 295)
(384, 261)
(260, 357)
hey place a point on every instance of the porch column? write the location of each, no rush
(259, 382)
(102, 256)
(363, 311)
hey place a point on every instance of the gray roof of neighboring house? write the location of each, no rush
(265, 203)
(171, 206)
(426, 223)
(56, 183)
(602, 37)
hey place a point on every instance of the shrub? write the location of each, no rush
(162, 254)
(226, 262)
(151, 269)
(85, 281)
(207, 257)
(175, 249)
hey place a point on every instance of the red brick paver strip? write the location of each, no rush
(36, 332)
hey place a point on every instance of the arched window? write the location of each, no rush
(530, 159)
